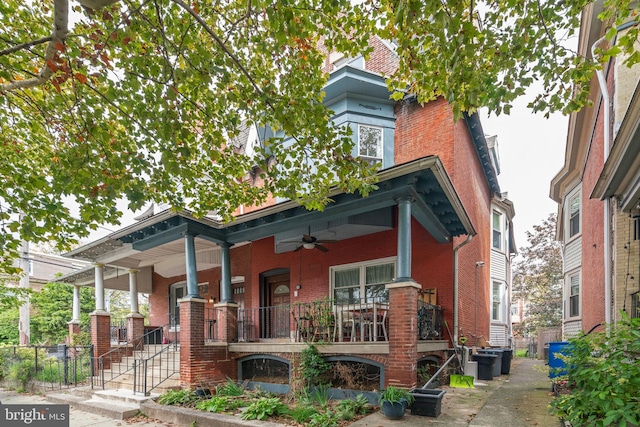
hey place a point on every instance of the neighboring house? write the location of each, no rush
(44, 268)
(597, 192)
(373, 278)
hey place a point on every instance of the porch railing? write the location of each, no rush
(211, 322)
(118, 330)
(430, 321)
(323, 320)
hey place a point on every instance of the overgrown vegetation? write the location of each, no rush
(309, 407)
(603, 378)
(313, 366)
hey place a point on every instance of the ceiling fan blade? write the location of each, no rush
(322, 248)
(326, 241)
(297, 249)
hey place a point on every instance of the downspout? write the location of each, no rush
(456, 290)
(602, 81)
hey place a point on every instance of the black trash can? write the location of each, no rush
(486, 363)
(497, 367)
(507, 355)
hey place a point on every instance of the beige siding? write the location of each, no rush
(573, 254)
(571, 328)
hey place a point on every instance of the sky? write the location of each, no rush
(531, 150)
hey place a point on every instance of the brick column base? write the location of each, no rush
(402, 367)
(228, 321)
(135, 330)
(201, 364)
(74, 330)
(101, 334)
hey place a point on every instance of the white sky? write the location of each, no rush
(531, 150)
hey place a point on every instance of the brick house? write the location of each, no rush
(597, 194)
(373, 279)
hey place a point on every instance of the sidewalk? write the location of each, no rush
(516, 400)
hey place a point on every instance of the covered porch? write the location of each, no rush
(382, 308)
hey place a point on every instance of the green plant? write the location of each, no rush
(324, 419)
(320, 395)
(264, 408)
(312, 365)
(178, 397)
(359, 406)
(219, 404)
(229, 388)
(302, 413)
(395, 395)
(603, 377)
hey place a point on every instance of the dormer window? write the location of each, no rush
(370, 143)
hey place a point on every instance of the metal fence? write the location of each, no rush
(44, 368)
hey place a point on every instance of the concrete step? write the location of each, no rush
(126, 382)
(117, 409)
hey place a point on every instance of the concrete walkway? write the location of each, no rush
(77, 418)
(517, 400)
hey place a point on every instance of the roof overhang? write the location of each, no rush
(620, 176)
(155, 241)
(482, 149)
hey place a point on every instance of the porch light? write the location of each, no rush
(308, 245)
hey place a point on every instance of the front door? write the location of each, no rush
(176, 292)
(277, 316)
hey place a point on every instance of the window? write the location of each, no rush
(496, 306)
(370, 143)
(362, 282)
(574, 215)
(574, 295)
(497, 230)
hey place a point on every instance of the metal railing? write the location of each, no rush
(118, 330)
(46, 368)
(211, 322)
(430, 321)
(124, 359)
(150, 372)
(324, 320)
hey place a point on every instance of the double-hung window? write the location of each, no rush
(497, 230)
(496, 306)
(370, 143)
(363, 282)
(574, 295)
(574, 214)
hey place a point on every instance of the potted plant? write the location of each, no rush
(394, 401)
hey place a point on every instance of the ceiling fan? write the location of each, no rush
(310, 242)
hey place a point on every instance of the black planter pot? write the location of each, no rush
(393, 410)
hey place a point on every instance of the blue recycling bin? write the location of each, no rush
(557, 366)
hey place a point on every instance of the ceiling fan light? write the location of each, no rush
(308, 245)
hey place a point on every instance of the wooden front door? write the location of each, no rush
(277, 315)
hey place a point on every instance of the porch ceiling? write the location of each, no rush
(158, 241)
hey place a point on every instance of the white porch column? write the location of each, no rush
(76, 304)
(99, 281)
(133, 290)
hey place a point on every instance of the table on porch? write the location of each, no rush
(367, 318)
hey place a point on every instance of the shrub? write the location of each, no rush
(178, 397)
(604, 378)
(313, 365)
(264, 408)
(324, 419)
(219, 404)
(229, 388)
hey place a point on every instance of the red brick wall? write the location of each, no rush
(593, 304)
(430, 130)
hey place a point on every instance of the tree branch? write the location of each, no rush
(58, 37)
(26, 45)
